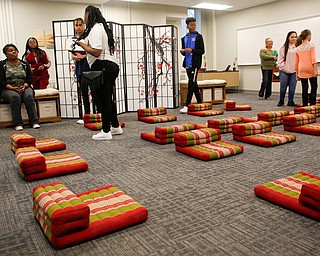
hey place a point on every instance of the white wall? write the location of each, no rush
(229, 22)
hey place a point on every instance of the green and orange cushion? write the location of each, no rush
(195, 137)
(299, 119)
(157, 119)
(212, 150)
(204, 113)
(110, 210)
(267, 139)
(308, 109)
(30, 161)
(98, 125)
(286, 193)
(239, 107)
(312, 129)
(199, 106)
(249, 119)
(23, 139)
(59, 211)
(310, 195)
(275, 117)
(150, 136)
(144, 112)
(49, 145)
(200, 126)
(225, 125)
(251, 128)
(92, 118)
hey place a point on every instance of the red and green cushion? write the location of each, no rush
(49, 145)
(23, 139)
(204, 113)
(239, 107)
(144, 112)
(195, 137)
(59, 211)
(272, 115)
(308, 109)
(312, 129)
(110, 210)
(249, 119)
(224, 125)
(150, 136)
(267, 139)
(168, 131)
(251, 128)
(98, 125)
(299, 119)
(310, 195)
(157, 119)
(30, 161)
(200, 126)
(211, 150)
(229, 104)
(199, 107)
(286, 192)
(92, 118)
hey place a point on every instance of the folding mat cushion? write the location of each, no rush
(30, 161)
(286, 192)
(308, 109)
(212, 150)
(92, 118)
(49, 145)
(23, 139)
(299, 119)
(313, 128)
(110, 210)
(251, 128)
(275, 117)
(310, 195)
(203, 113)
(199, 107)
(196, 137)
(249, 119)
(224, 125)
(231, 105)
(98, 125)
(157, 119)
(150, 136)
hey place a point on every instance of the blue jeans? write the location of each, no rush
(285, 81)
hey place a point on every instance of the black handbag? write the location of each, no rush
(93, 78)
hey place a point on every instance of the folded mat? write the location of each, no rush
(157, 119)
(23, 139)
(30, 161)
(285, 192)
(224, 125)
(239, 107)
(110, 210)
(249, 119)
(308, 109)
(195, 137)
(312, 129)
(299, 119)
(168, 131)
(272, 115)
(143, 112)
(98, 125)
(229, 104)
(210, 112)
(150, 136)
(267, 139)
(199, 106)
(251, 128)
(212, 150)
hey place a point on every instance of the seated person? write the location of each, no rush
(15, 87)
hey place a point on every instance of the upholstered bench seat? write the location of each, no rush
(68, 219)
(289, 193)
(155, 115)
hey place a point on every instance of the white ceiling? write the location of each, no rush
(238, 4)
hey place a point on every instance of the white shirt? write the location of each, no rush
(98, 39)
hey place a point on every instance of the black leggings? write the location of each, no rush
(107, 93)
(313, 93)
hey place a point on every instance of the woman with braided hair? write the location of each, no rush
(99, 45)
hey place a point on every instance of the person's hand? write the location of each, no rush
(189, 50)
(275, 58)
(182, 50)
(298, 78)
(32, 69)
(77, 57)
(42, 67)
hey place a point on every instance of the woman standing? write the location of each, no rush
(99, 45)
(267, 57)
(305, 64)
(286, 67)
(39, 63)
(15, 87)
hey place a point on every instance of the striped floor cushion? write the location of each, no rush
(30, 161)
(249, 119)
(308, 109)
(204, 113)
(224, 125)
(299, 119)
(98, 125)
(49, 145)
(196, 137)
(110, 210)
(286, 192)
(143, 112)
(210, 151)
(92, 118)
(157, 119)
(239, 107)
(199, 106)
(275, 117)
(229, 104)
(150, 136)
(251, 128)
(23, 139)
(312, 129)
(267, 139)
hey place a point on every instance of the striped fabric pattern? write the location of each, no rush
(224, 125)
(144, 112)
(286, 192)
(199, 107)
(267, 139)
(168, 131)
(204, 113)
(50, 144)
(64, 160)
(312, 129)
(239, 107)
(266, 116)
(195, 137)
(150, 136)
(29, 157)
(308, 109)
(249, 119)
(22, 140)
(229, 104)
(92, 118)
(251, 128)
(299, 119)
(157, 119)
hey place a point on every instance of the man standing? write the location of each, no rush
(192, 49)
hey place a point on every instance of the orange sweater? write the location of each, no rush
(304, 60)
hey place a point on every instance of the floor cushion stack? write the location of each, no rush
(34, 165)
(205, 144)
(164, 135)
(303, 123)
(68, 219)
(249, 119)
(203, 109)
(155, 115)
(309, 109)
(224, 125)
(275, 117)
(260, 134)
(94, 122)
(231, 105)
(299, 193)
(20, 140)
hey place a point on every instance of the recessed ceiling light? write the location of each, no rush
(212, 6)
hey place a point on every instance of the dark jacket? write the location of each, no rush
(197, 52)
(3, 78)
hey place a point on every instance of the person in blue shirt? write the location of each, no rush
(192, 50)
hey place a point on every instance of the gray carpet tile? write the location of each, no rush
(195, 207)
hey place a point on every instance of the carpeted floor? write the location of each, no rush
(195, 207)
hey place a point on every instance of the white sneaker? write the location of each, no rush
(184, 110)
(102, 136)
(80, 121)
(36, 126)
(116, 131)
(18, 128)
